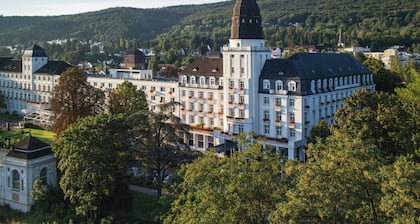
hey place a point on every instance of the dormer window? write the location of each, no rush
(202, 80)
(266, 84)
(319, 84)
(313, 86)
(279, 85)
(292, 86)
(195, 69)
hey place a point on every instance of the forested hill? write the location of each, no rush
(286, 23)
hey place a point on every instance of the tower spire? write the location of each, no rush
(246, 21)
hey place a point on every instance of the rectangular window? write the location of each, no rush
(210, 141)
(200, 141)
(278, 101)
(266, 114)
(292, 133)
(191, 140)
(231, 98)
(278, 116)
(182, 93)
(267, 129)
(266, 101)
(241, 99)
(241, 113)
(292, 117)
(278, 130)
(240, 128)
(231, 112)
(162, 89)
(291, 102)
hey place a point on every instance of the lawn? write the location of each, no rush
(44, 135)
(146, 209)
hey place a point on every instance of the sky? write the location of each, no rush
(65, 7)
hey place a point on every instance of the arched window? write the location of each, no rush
(324, 83)
(43, 176)
(266, 84)
(279, 85)
(15, 180)
(212, 81)
(313, 86)
(341, 81)
(330, 83)
(318, 86)
(345, 80)
(192, 80)
(202, 80)
(292, 86)
(184, 79)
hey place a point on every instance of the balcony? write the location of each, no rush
(266, 119)
(277, 121)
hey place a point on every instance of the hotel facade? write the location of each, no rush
(244, 90)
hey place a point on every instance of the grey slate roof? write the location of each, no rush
(34, 51)
(54, 67)
(10, 65)
(313, 66)
(204, 67)
(30, 148)
(304, 67)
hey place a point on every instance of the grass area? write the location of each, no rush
(44, 135)
(146, 209)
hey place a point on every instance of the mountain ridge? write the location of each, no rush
(285, 22)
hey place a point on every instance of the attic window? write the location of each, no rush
(281, 73)
(195, 69)
(313, 71)
(214, 70)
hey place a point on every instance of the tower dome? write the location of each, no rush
(246, 21)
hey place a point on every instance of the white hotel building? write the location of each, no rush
(244, 90)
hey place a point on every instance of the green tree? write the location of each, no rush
(242, 188)
(126, 99)
(376, 118)
(156, 138)
(384, 79)
(410, 98)
(338, 184)
(74, 98)
(401, 200)
(90, 156)
(319, 130)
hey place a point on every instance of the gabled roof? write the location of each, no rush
(204, 67)
(10, 65)
(34, 51)
(54, 68)
(313, 66)
(30, 148)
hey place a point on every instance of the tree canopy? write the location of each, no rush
(126, 99)
(90, 156)
(74, 98)
(242, 188)
(155, 138)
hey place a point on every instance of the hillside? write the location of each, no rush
(286, 23)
